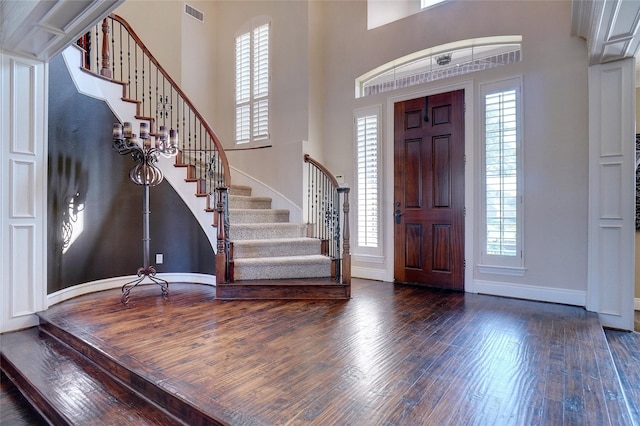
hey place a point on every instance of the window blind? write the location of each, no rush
(252, 85)
(501, 173)
(367, 177)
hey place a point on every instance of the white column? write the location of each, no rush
(23, 190)
(612, 192)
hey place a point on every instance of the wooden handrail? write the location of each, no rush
(334, 181)
(176, 87)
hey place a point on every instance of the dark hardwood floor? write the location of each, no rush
(625, 349)
(391, 355)
(15, 410)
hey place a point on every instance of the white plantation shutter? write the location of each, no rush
(243, 123)
(261, 82)
(367, 131)
(501, 177)
(252, 85)
(243, 87)
(243, 68)
(261, 61)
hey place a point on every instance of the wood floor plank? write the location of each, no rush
(391, 355)
(15, 410)
(79, 391)
(625, 348)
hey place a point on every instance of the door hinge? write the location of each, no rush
(464, 263)
(464, 211)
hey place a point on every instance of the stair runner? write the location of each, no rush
(266, 246)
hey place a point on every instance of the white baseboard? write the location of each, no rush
(636, 304)
(368, 273)
(117, 282)
(529, 292)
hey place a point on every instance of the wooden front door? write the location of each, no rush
(429, 190)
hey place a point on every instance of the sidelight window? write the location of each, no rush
(367, 135)
(252, 84)
(502, 174)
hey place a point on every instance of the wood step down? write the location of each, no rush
(67, 388)
(292, 289)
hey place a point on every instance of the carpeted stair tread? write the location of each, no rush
(266, 246)
(249, 202)
(260, 231)
(310, 266)
(275, 247)
(284, 260)
(258, 216)
(240, 190)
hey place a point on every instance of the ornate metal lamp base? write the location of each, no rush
(149, 272)
(145, 173)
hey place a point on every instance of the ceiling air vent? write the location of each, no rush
(194, 12)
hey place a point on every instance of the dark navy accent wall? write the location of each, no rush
(84, 168)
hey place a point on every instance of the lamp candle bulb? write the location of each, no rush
(127, 130)
(117, 131)
(173, 137)
(144, 131)
(163, 133)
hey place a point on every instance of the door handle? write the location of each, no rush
(398, 216)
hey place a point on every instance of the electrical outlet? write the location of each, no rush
(159, 258)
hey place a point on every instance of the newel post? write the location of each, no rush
(346, 244)
(221, 254)
(105, 71)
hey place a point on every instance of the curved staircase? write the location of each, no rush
(259, 253)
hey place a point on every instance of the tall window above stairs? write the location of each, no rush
(252, 82)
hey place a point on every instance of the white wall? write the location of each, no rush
(184, 46)
(290, 89)
(159, 25)
(554, 70)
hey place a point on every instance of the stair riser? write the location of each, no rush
(240, 190)
(250, 292)
(239, 232)
(305, 248)
(267, 272)
(258, 216)
(177, 407)
(242, 202)
(31, 393)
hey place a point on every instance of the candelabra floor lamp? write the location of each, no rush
(145, 173)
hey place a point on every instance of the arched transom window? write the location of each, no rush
(447, 60)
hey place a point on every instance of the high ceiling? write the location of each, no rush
(40, 29)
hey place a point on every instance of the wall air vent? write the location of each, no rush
(194, 12)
